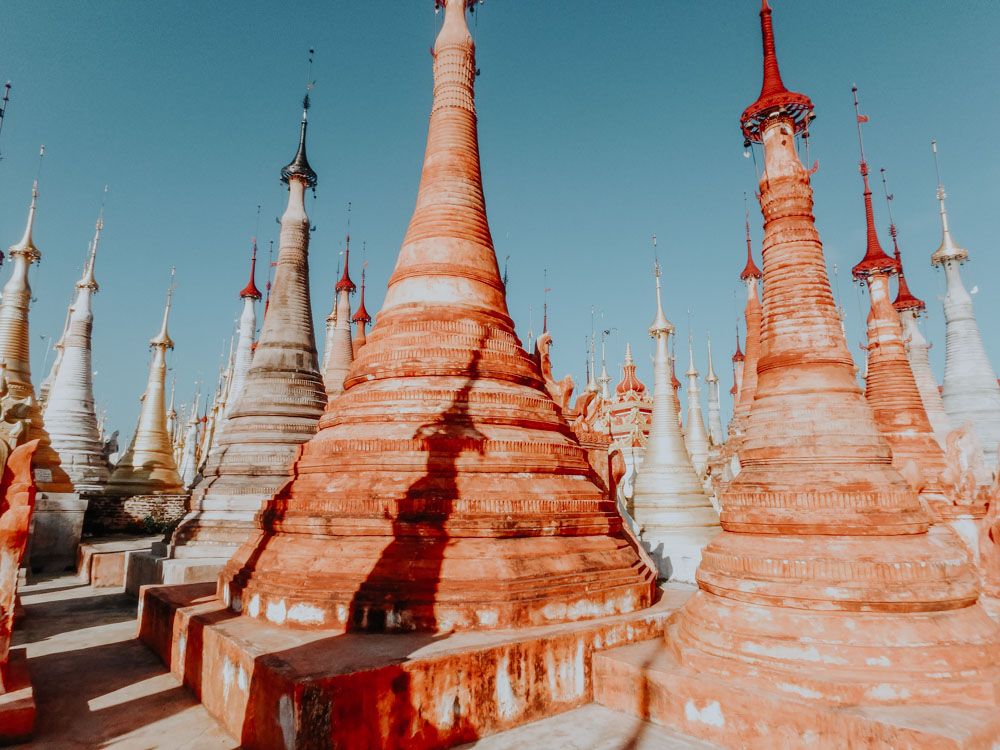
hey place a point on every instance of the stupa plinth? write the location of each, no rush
(148, 467)
(829, 586)
(674, 515)
(69, 410)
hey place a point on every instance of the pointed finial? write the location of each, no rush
(251, 290)
(545, 303)
(163, 338)
(345, 283)
(660, 323)
(750, 270)
(26, 245)
(774, 98)
(738, 356)
(875, 260)
(299, 168)
(948, 249)
(87, 281)
(692, 371)
(710, 376)
(361, 317)
(628, 355)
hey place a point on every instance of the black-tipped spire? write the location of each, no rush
(299, 167)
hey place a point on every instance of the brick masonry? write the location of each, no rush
(148, 514)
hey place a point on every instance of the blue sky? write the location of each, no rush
(600, 124)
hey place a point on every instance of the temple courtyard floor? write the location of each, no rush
(97, 686)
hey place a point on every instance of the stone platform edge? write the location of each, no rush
(276, 687)
(645, 680)
(17, 702)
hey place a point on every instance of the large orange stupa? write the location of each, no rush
(829, 585)
(444, 491)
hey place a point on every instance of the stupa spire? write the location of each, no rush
(148, 466)
(69, 408)
(675, 517)
(695, 436)
(875, 260)
(428, 442)
(243, 357)
(251, 290)
(948, 249)
(805, 582)
(338, 362)
(361, 318)
(969, 388)
(747, 367)
(715, 431)
(604, 379)
(750, 270)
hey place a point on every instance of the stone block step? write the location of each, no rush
(102, 561)
(591, 727)
(646, 681)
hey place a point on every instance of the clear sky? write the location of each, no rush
(600, 124)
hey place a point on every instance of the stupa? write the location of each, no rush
(695, 436)
(148, 467)
(361, 318)
(909, 309)
(188, 465)
(277, 411)
(443, 491)
(890, 387)
(69, 410)
(752, 314)
(341, 354)
(59, 511)
(250, 295)
(675, 516)
(969, 390)
(738, 362)
(830, 595)
(715, 432)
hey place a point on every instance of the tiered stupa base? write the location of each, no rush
(648, 681)
(272, 686)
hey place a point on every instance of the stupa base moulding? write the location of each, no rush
(647, 681)
(274, 687)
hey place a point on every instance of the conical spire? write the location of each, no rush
(428, 441)
(904, 299)
(604, 379)
(738, 354)
(26, 245)
(87, 281)
(345, 283)
(163, 338)
(251, 290)
(299, 167)
(750, 270)
(774, 98)
(714, 401)
(710, 376)
(361, 317)
(875, 260)
(948, 249)
(660, 323)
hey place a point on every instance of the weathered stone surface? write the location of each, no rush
(444, 490)
(829, 581)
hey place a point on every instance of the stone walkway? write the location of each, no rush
(98, 687)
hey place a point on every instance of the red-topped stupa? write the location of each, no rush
(361, 318)
(444, 491)
(829, 586)
(890, 387)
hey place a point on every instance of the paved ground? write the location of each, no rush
(96, 686)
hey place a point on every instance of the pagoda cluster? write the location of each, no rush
(417, 536)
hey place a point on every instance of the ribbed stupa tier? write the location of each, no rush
(148, 467)
(341, 350)
(715, 433)
(828, 583)
(695, 436)
(444, 491)
(675, 517)
(15, 355)
(281, 402)
(69, 410)
(969, 390)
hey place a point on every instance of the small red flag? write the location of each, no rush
(862, 118)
